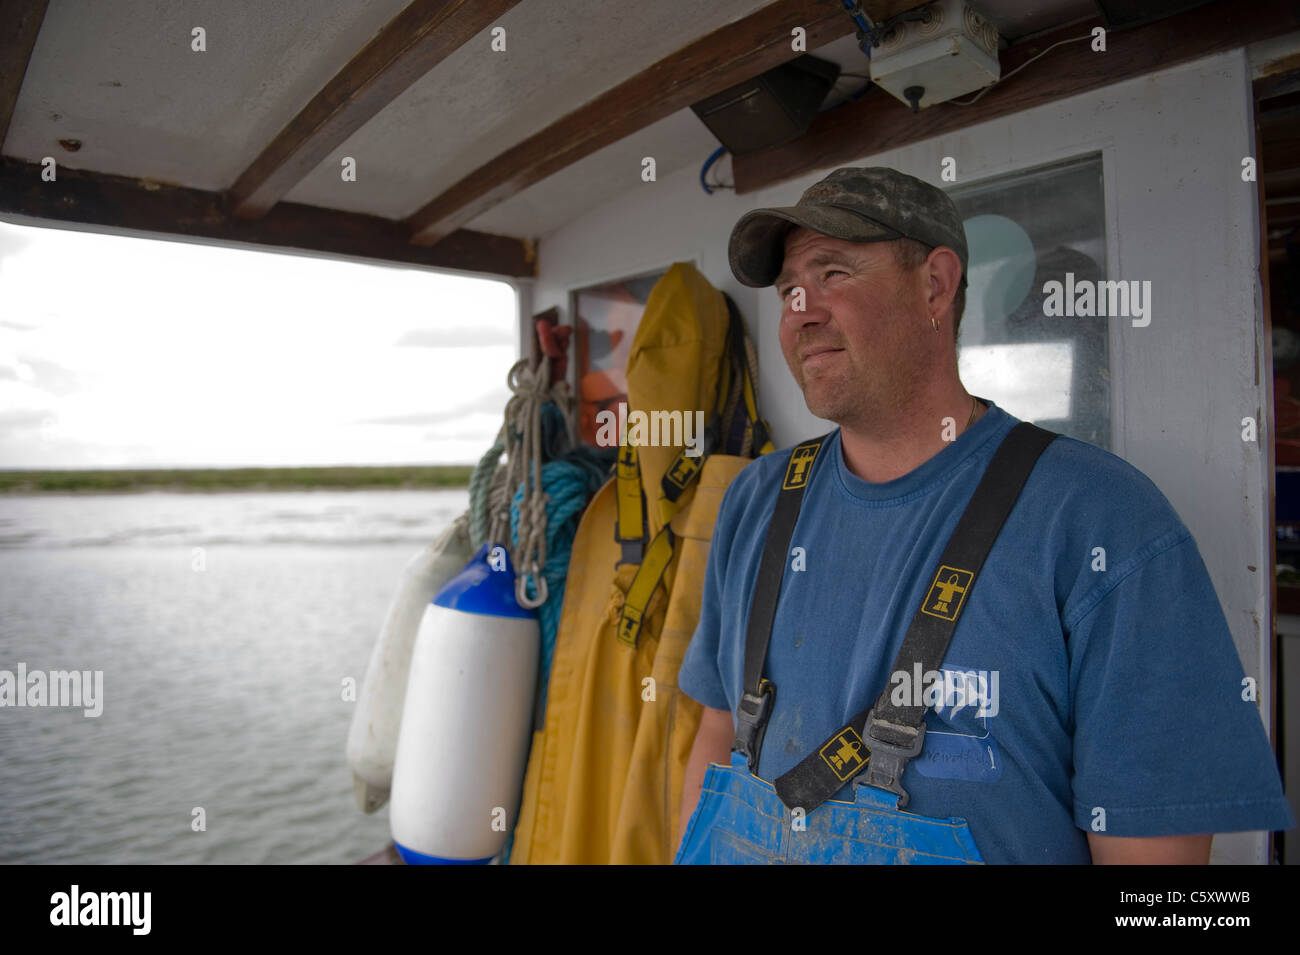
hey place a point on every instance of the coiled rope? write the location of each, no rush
(493, 490)
(539, 496)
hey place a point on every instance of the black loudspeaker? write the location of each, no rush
(772, 108)
(1119, 14)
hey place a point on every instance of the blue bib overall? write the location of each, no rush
(742, 819)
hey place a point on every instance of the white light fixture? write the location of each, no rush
(949, 52)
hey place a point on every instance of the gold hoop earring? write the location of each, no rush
(934, 323)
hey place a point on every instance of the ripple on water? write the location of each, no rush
(219, 692)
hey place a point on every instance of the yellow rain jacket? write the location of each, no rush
(604, 776)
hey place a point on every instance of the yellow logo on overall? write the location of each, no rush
(947, 593)
(846, 754)
(796, 472)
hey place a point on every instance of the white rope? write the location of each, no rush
(531, 389)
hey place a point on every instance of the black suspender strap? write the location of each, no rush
(877, 744)
(756, 703)
(734, 388)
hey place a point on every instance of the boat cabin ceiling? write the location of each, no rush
(458, 134)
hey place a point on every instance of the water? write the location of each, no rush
(225, 625)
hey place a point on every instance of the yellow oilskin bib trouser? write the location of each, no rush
(605, 773)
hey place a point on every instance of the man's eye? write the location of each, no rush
(831, 272)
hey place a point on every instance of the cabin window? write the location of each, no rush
(1024, 231)
(606, 317)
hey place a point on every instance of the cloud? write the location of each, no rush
(455, 338)
(46, 375)
(493, 403)
(12, 242)
(21, 419)
(436, 436)
(102, 373)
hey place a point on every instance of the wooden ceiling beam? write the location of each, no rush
(151, 207)
(20, 24)
(729, 55)
(878, 122)
(413, 43)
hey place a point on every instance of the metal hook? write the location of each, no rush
(521, 592)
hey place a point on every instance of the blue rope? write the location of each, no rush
(567, 486)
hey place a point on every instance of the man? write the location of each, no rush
(1090, 705)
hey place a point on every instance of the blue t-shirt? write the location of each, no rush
(1091, 677)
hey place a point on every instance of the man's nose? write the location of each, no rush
(814, 309)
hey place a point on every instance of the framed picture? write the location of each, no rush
(605, 322)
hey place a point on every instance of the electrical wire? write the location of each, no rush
(866, 29)
(975, 99)
(704, 171)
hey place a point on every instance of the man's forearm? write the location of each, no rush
(1156, 850)
(712, 745)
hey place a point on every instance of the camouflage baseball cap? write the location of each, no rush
(857, 204)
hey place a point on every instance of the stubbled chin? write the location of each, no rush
(824, 396)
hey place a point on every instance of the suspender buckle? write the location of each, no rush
(633, 551)
(888, 759)
(751, 722)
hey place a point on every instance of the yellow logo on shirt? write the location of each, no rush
(947, 593)
(801, 459)
(845, 753)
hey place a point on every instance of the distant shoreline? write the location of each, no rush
(201, 480)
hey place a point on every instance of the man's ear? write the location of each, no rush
(944, 275)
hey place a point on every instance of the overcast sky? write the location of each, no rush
(124, 352)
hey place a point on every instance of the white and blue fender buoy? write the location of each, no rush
(467, 719)
(372, 738)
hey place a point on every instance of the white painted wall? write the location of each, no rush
(1177, 213)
